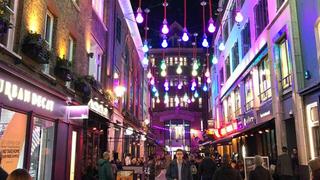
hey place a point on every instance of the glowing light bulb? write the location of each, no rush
(163, 73)
(180, 86)
(192, 99)
(185, 36)
(163, 66)
(205, 42)
(205, 88)
(196, 95)
(193, 88)
(195, 65)
(149, 75)
(154, 89)
(158, 100)
(166, 84)
(239, 17)
(221, 46)
(189, 101)
(214, 59)
(207, 74)
(194, 84)
(176, 99)
(179, 70)
(156, 94)
(145, 47)
(208, 80)
(152, 81)
(145, 61)
(166, 88)
(211, 27)
(165, 29)
(164, 43)
(194, 73)
(185, 97)
(139, 17)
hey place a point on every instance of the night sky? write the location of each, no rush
(175, 12)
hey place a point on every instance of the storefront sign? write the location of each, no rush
(99, 108)
(248, 121)
(78, 112)
(16, 93)
(265, 114)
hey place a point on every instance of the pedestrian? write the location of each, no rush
(284, 165)
(3, 173)
(259, 173)
(207, 167)
(19, 174)
(194, 167)
(295, 163)
(151, 166)
(179, 169)
(226, 172)
(105, 168)
(127, 160)
(314, 165)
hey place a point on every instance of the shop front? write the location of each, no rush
(32, 124)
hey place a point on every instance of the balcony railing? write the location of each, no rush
(237, 112)
(265, 95)
(286, 82)
(249, 105)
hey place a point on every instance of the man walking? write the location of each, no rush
(207, 168)
(284, 165)
(259, 173)
(179, 169)
(105, 168)
(226, 172)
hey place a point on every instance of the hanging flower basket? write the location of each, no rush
(63, 69)
(5, 24)
(36, 48)
(83, 87)
(108, 94)
(93, 82)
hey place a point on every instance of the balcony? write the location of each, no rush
(286, 82)
(249, 105)
(265, 95)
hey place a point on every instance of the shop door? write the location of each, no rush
(74, 152)
(291, 134)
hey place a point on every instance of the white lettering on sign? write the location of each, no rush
(248, 121)
(14, 92)
(99, 108)
(265, 114)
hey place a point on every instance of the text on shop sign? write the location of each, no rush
(14, 92)
(99, 108)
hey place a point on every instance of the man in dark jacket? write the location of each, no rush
(105, 168)
(3, 173)
(207, 167)
(259, 173)
(179, 169)
(284, 165)
(226, 172)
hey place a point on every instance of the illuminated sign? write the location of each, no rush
(14, 92)
(265, 114)
(98, 108)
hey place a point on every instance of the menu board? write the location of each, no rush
(250, 166)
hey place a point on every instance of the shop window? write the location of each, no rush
(13, 127)
(229, 109)
(95, 61)
(264, 80)
(225, 31)
(118, 32)
(261, 16)
(42, 146)
(285, 64)
(313, 129)
(48, 37)
(71, 49)
(246, 39)
(249, 93)
(237, 100)
(9, 12)
(98, 6)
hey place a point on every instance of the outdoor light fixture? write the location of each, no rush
(185, 36)
(214, 59)
(239, 17)
(139, 17)
(211, 27)
(164, 43)
(152, 81)
(207, 74)
(205, 41)
(145, 61)
(179, 69)
(145, 47)
(149, 75)
(119, 91)
(221, 46)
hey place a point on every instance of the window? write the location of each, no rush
(118, 34)
(13, 127)
(232, 14)
(171, 102)
(9, 12)
(279, 3)
(225, 31)
(313, 129)
(48, 36)
(230, 108)
(227, 64)
(73, 154)
(237, 102)
(235, 56)
(221, 76)
(98, 6)
(264, 79)
(95, 61)
(249, 93)
(42, 149)
(200, 102)
(171, 61)
(285, 64)
(71, 46)
(185, 61)
(246, 39)
(261, 16)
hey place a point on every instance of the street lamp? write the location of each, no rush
(119, 91)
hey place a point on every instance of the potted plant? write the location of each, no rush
(5, 24)
(108, 94)
(93, 82)
(63, 69)
(35, 47)
(83, 87)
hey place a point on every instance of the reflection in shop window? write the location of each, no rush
(41, 149)
(12, 139)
